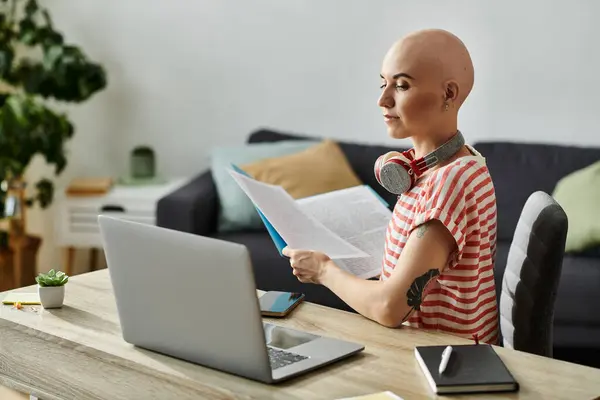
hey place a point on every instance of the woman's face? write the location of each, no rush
(412, 98)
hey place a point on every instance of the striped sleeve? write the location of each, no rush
(445, 199)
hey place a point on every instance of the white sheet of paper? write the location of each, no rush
(387, 395)
(358, 217)
(297, 228)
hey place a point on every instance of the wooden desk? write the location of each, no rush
(77, 353)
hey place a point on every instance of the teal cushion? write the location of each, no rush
(236, 211)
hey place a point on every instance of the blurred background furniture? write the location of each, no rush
(517, 169)
(76, 216)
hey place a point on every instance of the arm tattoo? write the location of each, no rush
(414, 295)
(421, 229)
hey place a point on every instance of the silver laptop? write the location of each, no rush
(194, 298)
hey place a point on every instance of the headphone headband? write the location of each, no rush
(445, 151)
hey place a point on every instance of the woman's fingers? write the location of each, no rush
(295, 255)
(301, 277)
(287, 251)
(300, 262)
(303, 256)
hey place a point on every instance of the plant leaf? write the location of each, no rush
(51, 56)
(14, 105)
(6, 58)
(28, 33)
(31, 7)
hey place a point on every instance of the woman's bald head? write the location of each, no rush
(438, 55)
(427, 75)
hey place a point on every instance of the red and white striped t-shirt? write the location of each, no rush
(462, 299)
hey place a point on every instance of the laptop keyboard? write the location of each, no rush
(280, 358)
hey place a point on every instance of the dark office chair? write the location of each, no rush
(532, 275)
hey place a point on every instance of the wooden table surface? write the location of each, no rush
(77, 352)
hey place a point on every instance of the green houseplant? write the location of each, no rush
(37, 67)
(51, 288)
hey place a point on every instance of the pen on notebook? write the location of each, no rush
(445, 357)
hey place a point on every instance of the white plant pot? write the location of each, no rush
(51, 296)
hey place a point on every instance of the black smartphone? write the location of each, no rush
(279, 304)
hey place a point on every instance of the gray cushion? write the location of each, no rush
(532, 276)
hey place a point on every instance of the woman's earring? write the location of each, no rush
(446, 106)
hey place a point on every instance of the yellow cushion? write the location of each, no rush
(319, 169)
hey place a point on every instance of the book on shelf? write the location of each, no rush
(348, 225)
(89, 186)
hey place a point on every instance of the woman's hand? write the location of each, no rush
(309, 266)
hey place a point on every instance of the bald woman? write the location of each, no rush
(440, 245)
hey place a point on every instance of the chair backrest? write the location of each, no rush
(532, 275)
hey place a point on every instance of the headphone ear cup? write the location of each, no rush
(394, 176)
(377, 168)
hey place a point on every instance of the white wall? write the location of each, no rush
(187, 75)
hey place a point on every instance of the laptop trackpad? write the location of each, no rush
(285, 338)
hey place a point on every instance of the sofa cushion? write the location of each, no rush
(519, 169)
(319, 169)
(591, 252)
(579, 195)
(579, 292)
(361, 157)
(236, 210)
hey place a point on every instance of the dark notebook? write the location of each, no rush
(470, 369)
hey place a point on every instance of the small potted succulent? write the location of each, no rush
(51, 288)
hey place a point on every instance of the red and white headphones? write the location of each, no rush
(397, 173)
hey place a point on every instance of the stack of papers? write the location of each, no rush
(348, 225)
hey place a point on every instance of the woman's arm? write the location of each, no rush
(390, 302)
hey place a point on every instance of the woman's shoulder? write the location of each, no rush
(466, 172)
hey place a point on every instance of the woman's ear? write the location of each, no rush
(451, 92)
